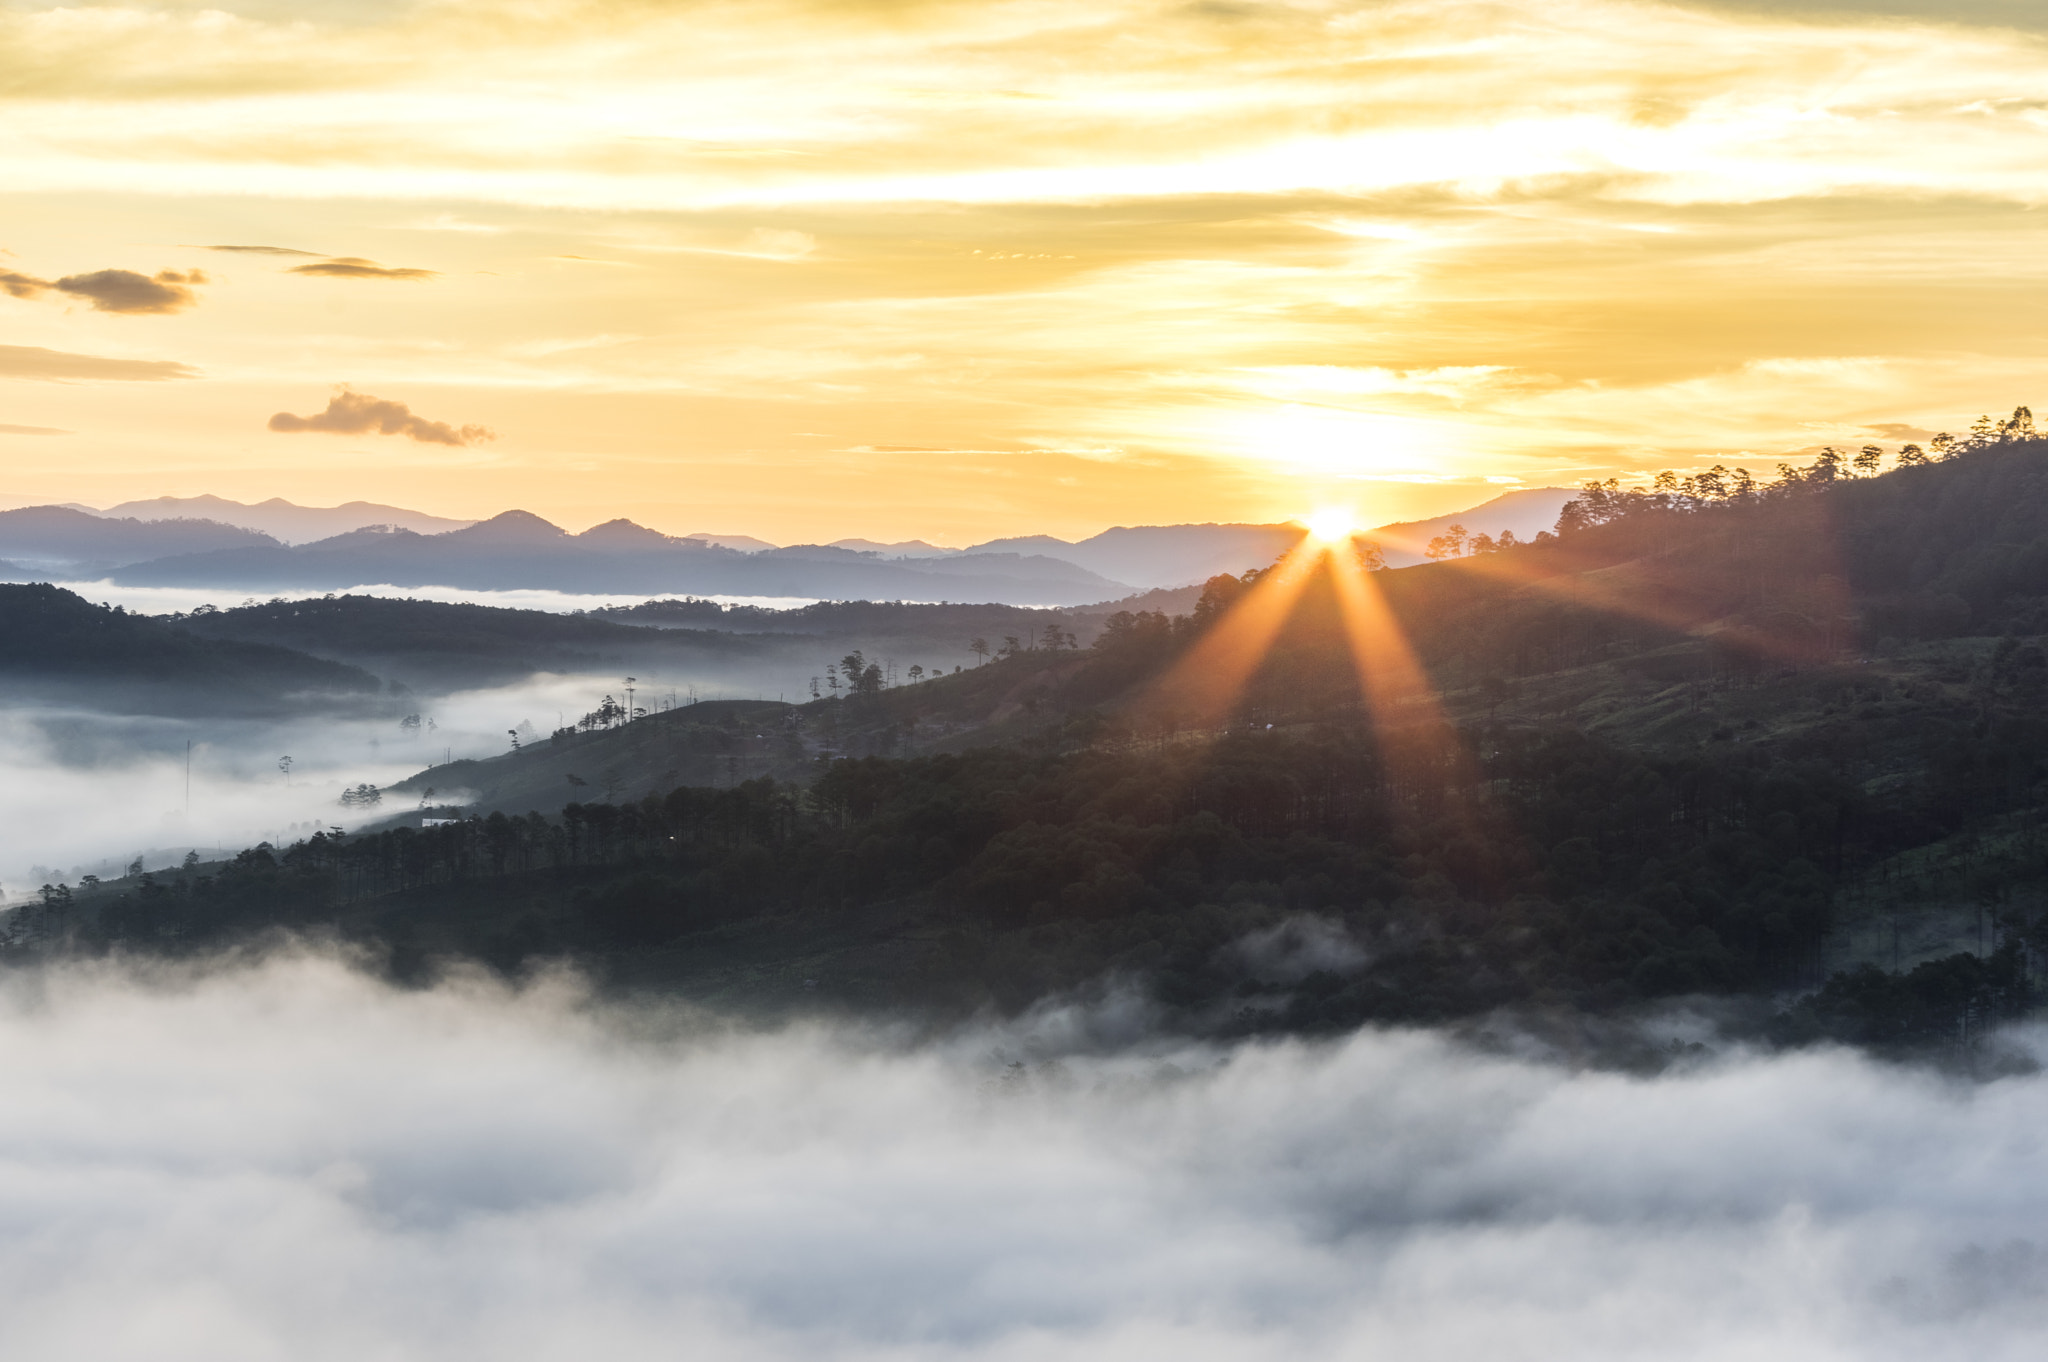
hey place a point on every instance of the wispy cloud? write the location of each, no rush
(263, 250)
(31, 430)
(353, 413)
(33, 361)
(355, 267)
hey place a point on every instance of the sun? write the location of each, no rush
(1330, 525)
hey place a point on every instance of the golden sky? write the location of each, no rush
(813, 268)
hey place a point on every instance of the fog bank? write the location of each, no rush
(160, 600)
(289, 1160)
(88, 791)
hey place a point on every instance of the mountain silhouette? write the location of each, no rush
(520, 550)
(280, 519)
(61, 541)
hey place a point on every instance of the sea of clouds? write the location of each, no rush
(284, 1158)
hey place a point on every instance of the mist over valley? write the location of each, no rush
(972, 682)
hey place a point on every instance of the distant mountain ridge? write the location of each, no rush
(518, 549)
(1181, 555)
(60, 541)
(1527, 511)
(1163, 555)
(282, 520)
(370, 543)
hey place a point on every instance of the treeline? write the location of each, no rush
(1545, 867)
(49, 633)
(1721, 487)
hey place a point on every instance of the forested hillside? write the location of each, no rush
(1720, 735)
(56, 644)
(442, 645)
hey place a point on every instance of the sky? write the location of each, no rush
(806, 269)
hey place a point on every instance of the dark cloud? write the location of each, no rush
(115, 290)
(127, 291)
(33, 361)
(31, 430)
(350, 413)
(264, 250)
(355, 267)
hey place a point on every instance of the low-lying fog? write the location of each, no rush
(163, 600)
(287, 1159)
(88, 792)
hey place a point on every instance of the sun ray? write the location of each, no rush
(1199, 690)
(1417, 744)
(1804, 634)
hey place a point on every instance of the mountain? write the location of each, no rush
(55, 646)
(1181, 555)
(283, 521)
(739, 543)
(1526, 512)
(908, 548)
(1161, 555)
(1024, 570)
(520, 550)
(59, 541)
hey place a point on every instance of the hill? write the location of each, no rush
(57, 646)
(1524, 513)
(1718, 736)
(436, 646)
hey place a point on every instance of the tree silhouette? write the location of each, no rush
(979, 647)
(1451, 543)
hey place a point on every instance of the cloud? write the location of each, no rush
(355, 267)
(115, 290)
(33, 361)
(288, 1159)
(352, 413)
(264, 250)
(31, 430)
(129, 292)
